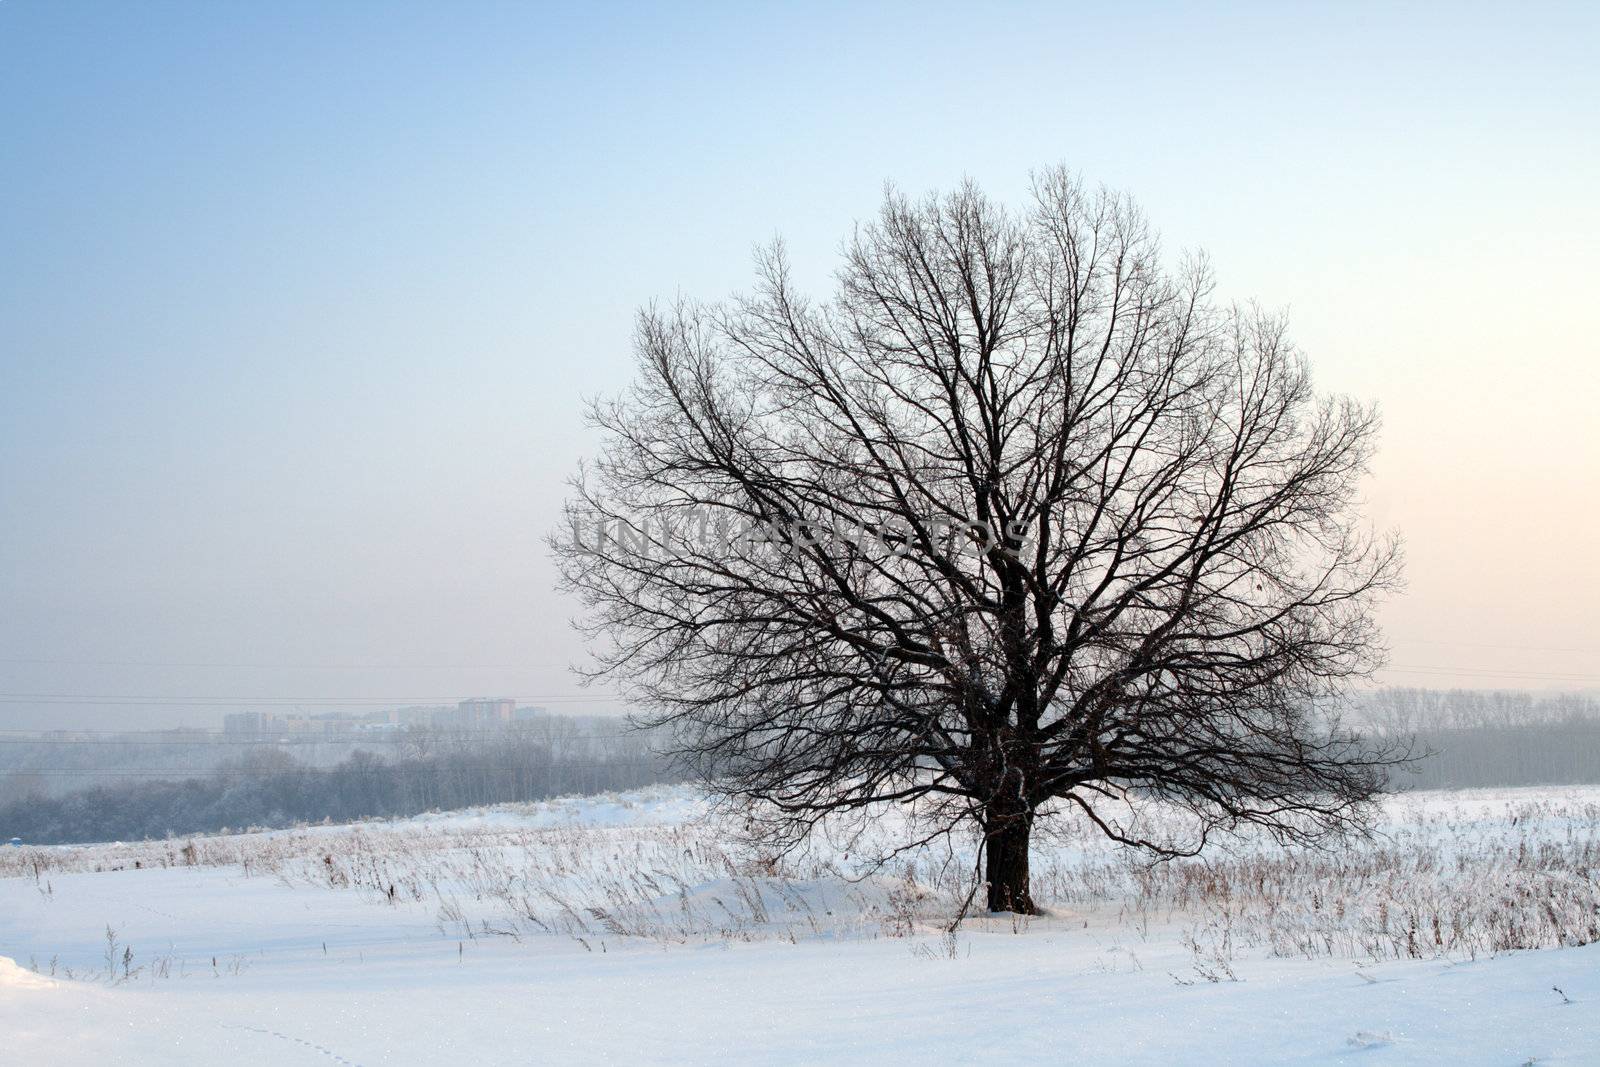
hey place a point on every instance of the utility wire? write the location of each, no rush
(385, 738)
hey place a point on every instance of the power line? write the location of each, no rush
(288, 666)
(550, 664)
(402, 731)
(383, 739)
(1482, 672)
(1503, 648)
(178, 774)
(106, 700)
(110, 699)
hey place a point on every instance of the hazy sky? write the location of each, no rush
(298, 301)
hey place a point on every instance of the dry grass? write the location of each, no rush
(1451, 876)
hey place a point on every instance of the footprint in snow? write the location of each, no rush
(295, 1040)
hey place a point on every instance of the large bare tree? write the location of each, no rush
(1019, 521)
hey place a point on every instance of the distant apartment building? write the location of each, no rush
(482, 711)
(270, 724)
(420, 715)
(477, 712)
(245, 723)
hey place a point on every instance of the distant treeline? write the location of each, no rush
(1479, 738)
(32, 766)
(1552, 753)
(1465, 739)
(270, 788)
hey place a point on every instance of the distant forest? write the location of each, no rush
(1464, 738)
(1469, 739)
(268, 786)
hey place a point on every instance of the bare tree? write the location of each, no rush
(1018, 522)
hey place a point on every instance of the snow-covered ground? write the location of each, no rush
(630, 929)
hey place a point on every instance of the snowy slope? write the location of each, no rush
(288, 948)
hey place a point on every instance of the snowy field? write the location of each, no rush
(632, 929)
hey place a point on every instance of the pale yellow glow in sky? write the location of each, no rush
(298, 303)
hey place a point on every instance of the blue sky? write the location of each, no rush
(298, 301)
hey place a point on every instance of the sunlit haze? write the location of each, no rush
(299, 302)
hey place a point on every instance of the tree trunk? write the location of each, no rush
(1005, 862)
